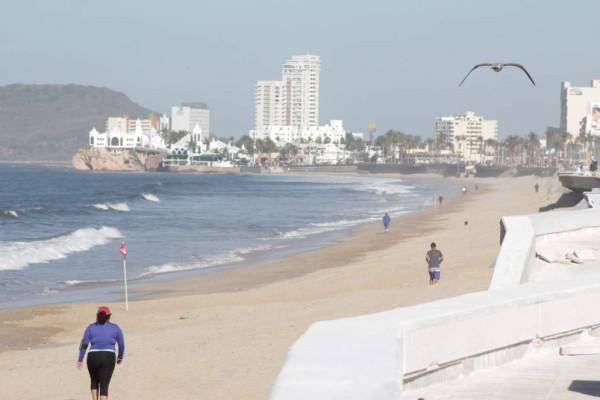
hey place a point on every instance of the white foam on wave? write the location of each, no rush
(323, 227)
(9, 213)
(75, 282)
(112, 206)
(384, 187)
(18, 255)
(150, 197)
(229, 258)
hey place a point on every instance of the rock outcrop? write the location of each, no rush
(104, 160)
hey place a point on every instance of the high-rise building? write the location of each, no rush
(117, 124)
(270, 104)
(146, 125)
(188, 115)
(576, 108)
(466, 133)
(293, 101)
(301, 77)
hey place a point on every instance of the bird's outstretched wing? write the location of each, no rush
(473, 69)
(522, 68)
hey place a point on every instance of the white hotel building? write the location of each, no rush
(186, 116)
(333, 132)
(292, 101)
(466, 134)
(577, 105)
(287, 111)
(123, 133)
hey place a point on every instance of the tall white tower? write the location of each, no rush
(270, 104)
(301, 79)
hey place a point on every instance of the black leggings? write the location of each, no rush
(101, 365)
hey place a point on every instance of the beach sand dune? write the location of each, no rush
(225, 335)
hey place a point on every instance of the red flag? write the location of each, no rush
(123, 249)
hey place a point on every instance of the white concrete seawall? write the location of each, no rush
(380, 355)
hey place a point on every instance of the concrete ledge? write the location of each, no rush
(376, 356)
(516, 262)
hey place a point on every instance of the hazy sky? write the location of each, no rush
(395, 62)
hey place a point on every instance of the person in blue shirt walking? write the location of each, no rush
(386, 222)
(101, 338)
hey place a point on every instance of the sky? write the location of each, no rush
(397, 63)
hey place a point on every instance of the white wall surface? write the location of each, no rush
(374, 356)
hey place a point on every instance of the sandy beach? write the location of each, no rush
(225, 335)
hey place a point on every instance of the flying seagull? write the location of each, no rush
(498, 67)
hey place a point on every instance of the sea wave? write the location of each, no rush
(112, 206)
(9, 213)
(75, 282)
(385, 187)
(18, 255)
(150, 197)
(229, 258)
(323, 227)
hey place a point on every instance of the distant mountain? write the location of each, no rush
(50, 122)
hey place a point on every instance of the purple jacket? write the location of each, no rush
(102, 337)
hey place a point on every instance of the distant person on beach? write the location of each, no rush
(536, 187)
(464, 190)
(101, 337)
(386, 222)
(434, 258)
(476, 188)
(440, 200)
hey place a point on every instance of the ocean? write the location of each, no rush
(60, 229)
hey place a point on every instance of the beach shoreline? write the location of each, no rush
(82, 291)
(274, 302)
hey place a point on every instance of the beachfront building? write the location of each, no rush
(270, 104)
(186, 116)
(292, 101)
(164, 123)
(466, 134)
(301, 77)
(580, 108)
(333, 132)
(123, 133)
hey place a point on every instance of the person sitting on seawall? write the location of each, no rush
(101, 337)
(594, 166)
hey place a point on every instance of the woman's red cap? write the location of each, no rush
(104, 310)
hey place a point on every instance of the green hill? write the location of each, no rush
(50, 122)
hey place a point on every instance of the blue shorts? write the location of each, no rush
(434, 275)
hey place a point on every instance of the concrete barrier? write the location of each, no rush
(378, 356)
(516, 262)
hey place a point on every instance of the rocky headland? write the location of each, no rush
(127, 161)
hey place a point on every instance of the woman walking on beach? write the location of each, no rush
(101, 337)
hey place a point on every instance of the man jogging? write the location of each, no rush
(434, 258)
(386, 222)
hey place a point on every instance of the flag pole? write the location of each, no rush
(125, 280)
(123, 251)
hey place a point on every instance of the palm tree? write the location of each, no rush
(512, 144)
(533, 145)
(490, 144)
